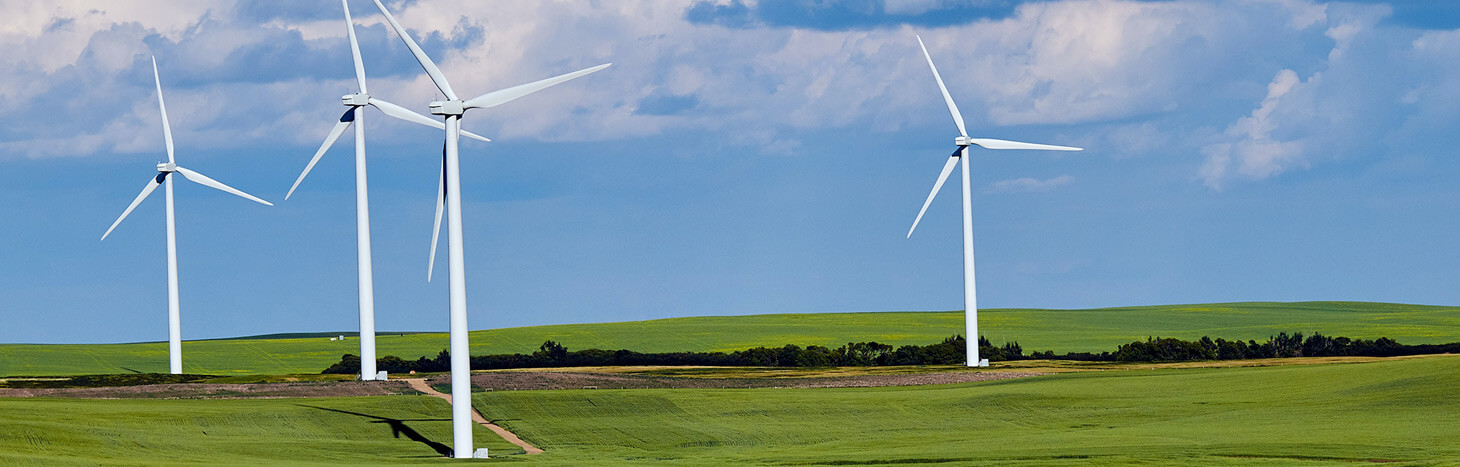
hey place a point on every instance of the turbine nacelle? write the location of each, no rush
(355, 100)
(451, 107)
(963, 141)
(166, 167)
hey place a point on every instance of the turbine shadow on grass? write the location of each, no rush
(398, 427)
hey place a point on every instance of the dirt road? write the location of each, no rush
(419, 384)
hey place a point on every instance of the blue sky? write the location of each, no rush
(740, 157)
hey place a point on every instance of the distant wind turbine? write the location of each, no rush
(970, 293)
(174, 327)
(355, 113)
(449, 197)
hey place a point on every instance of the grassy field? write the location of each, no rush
(1368, 410)
(359, 430)
(1389, 410)
(1059, 330)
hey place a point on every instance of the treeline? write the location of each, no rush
(552, 354)
(948, 352)
(1283, 345)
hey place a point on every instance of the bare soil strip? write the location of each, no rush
(527, 380)
(547, 380)
(419, 384)
(222, 391)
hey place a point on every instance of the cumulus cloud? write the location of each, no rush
(1030, 185)
(1130, 67)
(1056, 62)
(1255, 154)
(1342, 110)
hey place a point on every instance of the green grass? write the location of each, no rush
(1401, 409)
(1059, 330)
(336, 431)
(1391, 410)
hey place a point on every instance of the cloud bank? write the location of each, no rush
(1244, 91)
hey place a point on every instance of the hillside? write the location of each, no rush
(1035, 329)
(1323, 411)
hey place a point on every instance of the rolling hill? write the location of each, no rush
(1035, 329)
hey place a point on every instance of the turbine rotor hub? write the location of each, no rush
(355, 100)
(962, 141)
(167, 167)
(451, 107)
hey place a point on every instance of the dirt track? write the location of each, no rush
(585, 378)
(420, 385)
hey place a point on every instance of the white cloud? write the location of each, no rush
(1064, 62)
(1030, 185)
(1255, 152)
(1303, 13)
(1343, 110)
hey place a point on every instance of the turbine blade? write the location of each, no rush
(499, 97)
(405, 114)
(345, 121)
(952, 108)
(440, 207)
(942, 177)
(1004, 144)
(354, 49)
(426, 63)
(147, 190)
(166, 128)
(474, 136)
(204, 180)
(413, 117)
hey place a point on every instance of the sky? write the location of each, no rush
(739, 157)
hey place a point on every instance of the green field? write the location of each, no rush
(1393, 410)
(337, 431)
(1059, 330)
(1400, 409)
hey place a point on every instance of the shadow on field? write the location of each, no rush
(398, 427)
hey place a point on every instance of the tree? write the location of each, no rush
(552, 352)
(348, 364)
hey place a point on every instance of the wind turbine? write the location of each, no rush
(449, 197)
(174, 327)
(970, 293)
(355, 103)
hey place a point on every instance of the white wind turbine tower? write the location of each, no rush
(174, 327)
(970, 293)
(356, 103)
(453, 108)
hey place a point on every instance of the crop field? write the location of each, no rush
(1035, 329)
(1324, 411)
(1381, 411)
(344, 430)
